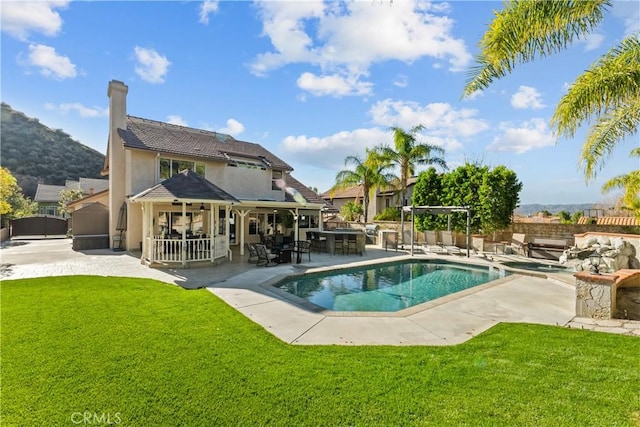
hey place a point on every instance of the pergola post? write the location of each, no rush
(184, 233)
(212, 231)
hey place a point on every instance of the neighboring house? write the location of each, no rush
(384, 198)
(184, 194)
(48, 196)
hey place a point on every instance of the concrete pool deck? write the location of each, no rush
(446, 321)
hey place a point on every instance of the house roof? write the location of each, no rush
(309, 195)
(611, 220)
(346, 193)
(48, 193)
(144, 134)
(185, 185)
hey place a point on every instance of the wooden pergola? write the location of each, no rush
(439, 210)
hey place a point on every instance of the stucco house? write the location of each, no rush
(183, 194)
(49, 198)
(384, 198)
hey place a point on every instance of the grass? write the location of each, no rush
(154, 354)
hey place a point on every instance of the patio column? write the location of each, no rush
(227, 228)
(184, 233)
(296, 232)
(320, 221)
(412, 228)
(242, 213)
(212, 228)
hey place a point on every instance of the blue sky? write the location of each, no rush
(313, 82)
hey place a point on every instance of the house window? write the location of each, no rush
(386, 202)
(275, 176)
(254, 224)
(171, 167)
(245, 164)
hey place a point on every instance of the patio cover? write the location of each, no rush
(439, 210)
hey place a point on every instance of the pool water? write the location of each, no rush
(535, 266)
(387, 287)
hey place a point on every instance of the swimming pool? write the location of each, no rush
(387, 287)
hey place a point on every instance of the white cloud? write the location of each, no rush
(208, 7)
(527, 97)
(335, 85)
(527, 136)
(474, 95)
(175, 119)
(628, 12)
(50, 63)
(233, 128)
(592, 41)
(443, 124)
(313, 150)
(151, 67)
(404, 31)
(401, 80)
(20, 18)
(81, 110)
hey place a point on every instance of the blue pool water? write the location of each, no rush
(387, 287)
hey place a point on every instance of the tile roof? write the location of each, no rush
(611, 220)
(86, 184)
(186, 185)
(309, 195)
(167, 138)
(48, 193)
(346, 193)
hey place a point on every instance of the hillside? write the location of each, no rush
(531, 209)
(35, 153)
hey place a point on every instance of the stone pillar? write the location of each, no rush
(595, 295)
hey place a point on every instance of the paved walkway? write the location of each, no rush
(449, 320)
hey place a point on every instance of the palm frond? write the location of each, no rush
(606, 133)
(524, 30)
(612, 80)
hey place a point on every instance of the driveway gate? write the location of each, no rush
(39, 226)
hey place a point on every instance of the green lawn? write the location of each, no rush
(146, 353)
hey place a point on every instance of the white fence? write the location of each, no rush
(191, 250)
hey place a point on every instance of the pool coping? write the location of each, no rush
(269, 286)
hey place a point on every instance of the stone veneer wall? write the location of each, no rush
(597, 295)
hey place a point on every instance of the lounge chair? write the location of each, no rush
(517, 244)
(431, 242)
(265, 258)
(448, 243)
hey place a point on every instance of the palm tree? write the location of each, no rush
(408, 153)
(631, 184)
(371, 173)
(608, 94)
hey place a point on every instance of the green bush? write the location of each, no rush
(389, 214)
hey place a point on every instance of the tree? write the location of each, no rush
(492, 196)
(607, 95)
(576, 217)
(408, 153)
(372, 173)
(13, 204)
(631, 184)
(351, 211)
(69, 195)
(565, 217)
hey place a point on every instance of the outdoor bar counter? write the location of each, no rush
(331, 240)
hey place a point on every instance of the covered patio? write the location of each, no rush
(187, 219)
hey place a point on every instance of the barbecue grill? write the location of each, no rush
(371, 231)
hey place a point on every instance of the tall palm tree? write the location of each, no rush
(608, 94)
(372, 173)
(408, 153)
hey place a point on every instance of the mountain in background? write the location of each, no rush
(36, 154)
(534, 208)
